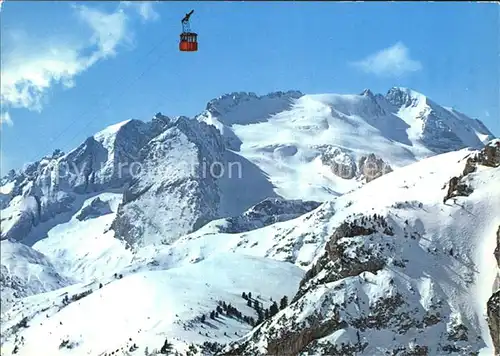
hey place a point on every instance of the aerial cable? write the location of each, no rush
(122, 92)
(92, 107)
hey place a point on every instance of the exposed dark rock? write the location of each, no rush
(458, 332)
(497, 249)
(489, 156)
(95, 209)
(371, 167)
(457, 188)
(340, 162)
(293, 343)
(493, 308)
(267, 212)
(342, 266)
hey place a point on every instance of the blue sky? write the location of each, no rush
(70, 69)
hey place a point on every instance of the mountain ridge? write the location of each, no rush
(415, 245)
(292, 145)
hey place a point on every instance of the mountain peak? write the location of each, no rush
(248, 107)
(367, 92)
(112, 129)
(405, 97)
(226, 102)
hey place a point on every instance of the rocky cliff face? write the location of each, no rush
(493, 306)
(175, 174)
(55, 184)
(494, 320)
(355, 294)
(265, 213)
(438, 128)
(342, 163)
(173, 181)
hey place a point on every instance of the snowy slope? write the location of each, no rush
(428, 281)
(163, 281)
(24, 272)
(143, 199)
(419, 280)
(145, 308)
(72, 244)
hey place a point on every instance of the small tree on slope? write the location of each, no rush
(166, 348)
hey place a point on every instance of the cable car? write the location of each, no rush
(189, 40)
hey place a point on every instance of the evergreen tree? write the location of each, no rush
(244, 295)
(203, 318)
(266, 313)
(273, 310)
(192, 351)
(256, 305)
(249, 303)
(212, 315)
(250, 295)
(284, 302)
(260, 316)
(166, 348)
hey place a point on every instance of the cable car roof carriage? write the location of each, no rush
(189, 40)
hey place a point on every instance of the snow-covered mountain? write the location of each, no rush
(311, 145)
(308, 147)
(408, 271)
(403, 264)
(147, 226)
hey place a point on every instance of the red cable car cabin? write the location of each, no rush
(189, 40)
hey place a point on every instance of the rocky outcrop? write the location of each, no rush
(95, 209)
(293, 343)
(489, 156)
(371, 167)
(358, 293)
(493, 305)
(337, 263)
(497, 249)
(267, 212)
(340, 162)
(173, 193)
(493, 310)
(457, 188)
